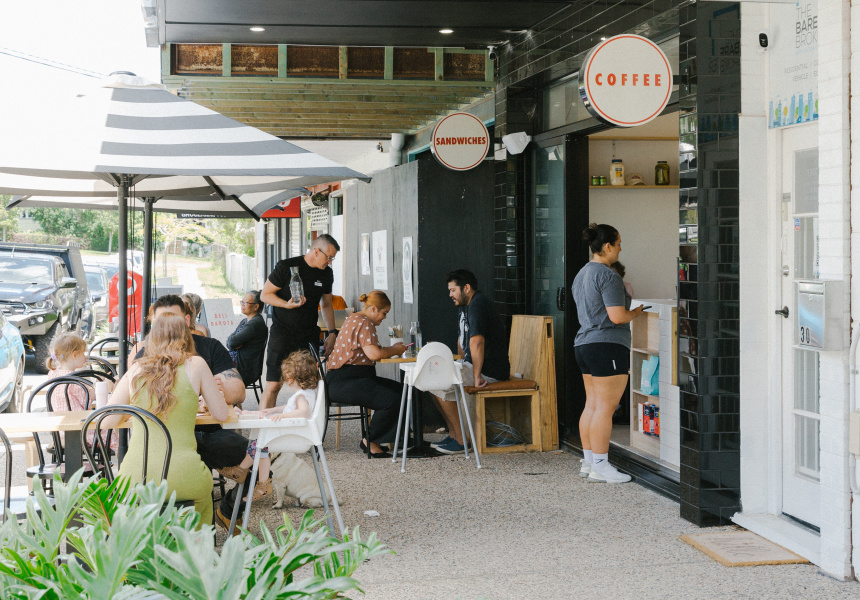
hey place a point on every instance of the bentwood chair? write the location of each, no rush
(13, 504)
(59, 386)
(433, 370)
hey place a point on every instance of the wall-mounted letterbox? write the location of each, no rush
(820, 315)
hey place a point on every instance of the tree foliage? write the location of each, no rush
(8, 218)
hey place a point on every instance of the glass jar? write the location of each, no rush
(616, 172)
(661, 173)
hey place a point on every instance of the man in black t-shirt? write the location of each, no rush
(482, 343)
(294, 324)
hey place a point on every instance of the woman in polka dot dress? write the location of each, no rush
(351, 376)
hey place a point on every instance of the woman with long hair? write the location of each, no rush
(167, 381)
(351, 377)
(602, 348)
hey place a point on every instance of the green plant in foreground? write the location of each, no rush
(104, 541)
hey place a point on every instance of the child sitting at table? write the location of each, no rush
(299, 371)
(69, 354)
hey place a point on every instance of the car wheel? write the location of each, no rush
(17, 400)
(42, 347)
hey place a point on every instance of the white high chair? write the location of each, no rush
(296, 436)
(434, 370)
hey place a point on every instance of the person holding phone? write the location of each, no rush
(602, 348)
(351, 378)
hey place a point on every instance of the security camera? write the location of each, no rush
(516, 142)
(762, 39)
(492, 53)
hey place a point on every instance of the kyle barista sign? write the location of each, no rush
(625, 81)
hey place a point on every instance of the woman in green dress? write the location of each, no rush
(168, 381)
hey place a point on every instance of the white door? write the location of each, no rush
(800, 415)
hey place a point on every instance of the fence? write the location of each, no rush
(239, 270)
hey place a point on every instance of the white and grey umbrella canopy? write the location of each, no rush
(131, 126)
(129, 135)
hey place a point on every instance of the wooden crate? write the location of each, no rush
(532, 353)
(518, 408)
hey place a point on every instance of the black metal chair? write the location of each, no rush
(97, 363)
(141, 416)
(11, 506)
(361, 413)
(45, 470)
(98, 347)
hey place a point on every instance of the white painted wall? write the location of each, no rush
(648, 223)
(760, 276)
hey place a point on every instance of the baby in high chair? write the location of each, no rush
(299, 371)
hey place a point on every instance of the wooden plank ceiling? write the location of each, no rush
(328, 92)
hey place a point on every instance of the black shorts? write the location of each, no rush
(280, 347)
(602, 359)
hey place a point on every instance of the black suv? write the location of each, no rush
(43, 292)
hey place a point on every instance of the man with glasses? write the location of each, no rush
(248, 342)
(294, 324)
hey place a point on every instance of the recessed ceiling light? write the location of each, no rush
(258, 29)
(446, 31)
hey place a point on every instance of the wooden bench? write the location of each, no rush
(528, 402)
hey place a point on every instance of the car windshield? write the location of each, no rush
(25, 270)
(95, 281)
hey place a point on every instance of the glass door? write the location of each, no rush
(547, 287)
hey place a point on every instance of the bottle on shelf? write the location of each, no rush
(661, 173)
(616, 172)
(297, 289)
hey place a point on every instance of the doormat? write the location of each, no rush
(742, 549)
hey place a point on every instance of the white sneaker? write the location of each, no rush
(607, 474)
(584, 468)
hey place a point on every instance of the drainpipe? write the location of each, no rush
(395, 154)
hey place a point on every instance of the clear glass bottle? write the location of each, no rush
(419, 340)
(413, 338)
(297, 289)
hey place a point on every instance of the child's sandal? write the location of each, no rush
(236, 473)
(263, 489)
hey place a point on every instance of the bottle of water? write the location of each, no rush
(296, 287)
(413, 338)
(418, 339)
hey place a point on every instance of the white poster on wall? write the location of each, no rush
(793, 64)
(365, 253)
(379, 245)
(337, 266)
(407, 270)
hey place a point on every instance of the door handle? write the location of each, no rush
(783, 312)
(559, 299)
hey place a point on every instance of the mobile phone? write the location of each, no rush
(646, 307)
(412, 344)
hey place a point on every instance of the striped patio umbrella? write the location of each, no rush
(131, 134)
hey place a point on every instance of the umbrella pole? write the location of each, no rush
(122, 294)
(146, 293)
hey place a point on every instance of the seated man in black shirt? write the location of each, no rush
(218, 448)
(482, 343)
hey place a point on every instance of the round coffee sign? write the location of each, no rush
(460, 141)
(626, 80)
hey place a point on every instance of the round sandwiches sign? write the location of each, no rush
(460, 141)
(625, 80)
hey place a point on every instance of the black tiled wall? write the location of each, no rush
(708, 316)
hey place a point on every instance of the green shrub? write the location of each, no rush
(101, 541)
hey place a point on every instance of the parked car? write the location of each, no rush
(11, 367)
(97, 283)
(43, 292)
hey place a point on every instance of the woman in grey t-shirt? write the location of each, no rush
(602, 348)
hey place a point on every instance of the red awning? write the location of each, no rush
(291, 208)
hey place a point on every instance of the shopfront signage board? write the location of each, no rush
(626, 80)
(460, 141)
